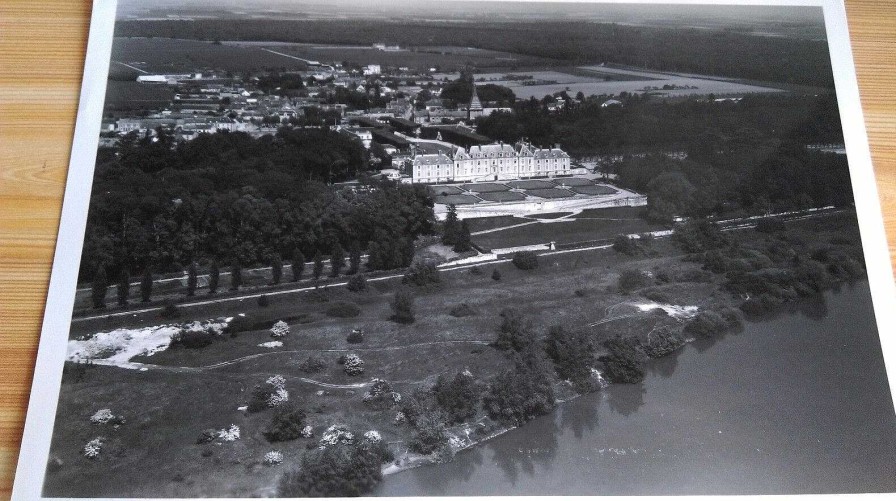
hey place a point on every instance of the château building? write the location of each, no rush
(490, 162)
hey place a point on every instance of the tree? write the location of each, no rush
(496, 275)
(572, 354)
(354, 258)
(298, 265)
(357, 283)
(450, 227)
(516, 332)
(276, 268)
(339, 470)
(430, 435)
(337, 260)
(191, 279)
(98, 288)
(318, 265)
(525, 260)
(146, 285)
(463, 243)
(457, 397)
(624, 361)
(403, 307)
(124, 287)
(286, 423)
(670, 195)
(214, 275)
(520, 394)
(236, 275)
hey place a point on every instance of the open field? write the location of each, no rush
(550, 193)
(502, 196)
(485, 187)
(563, 232)
(456, 199)
(594, 190)
(166, 55)
(126, 96)
(604, 80)
(531, 184)
(416, 58)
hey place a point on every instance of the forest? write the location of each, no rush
(710, 52)
(230, 198)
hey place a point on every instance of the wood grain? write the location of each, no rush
(42, 48)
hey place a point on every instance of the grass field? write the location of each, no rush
(165, 55)
(573, 181)
(485, 187)
(531, 184)
(550, 193)
(456, 199)
(561, 232)
(445, 190)
(125, 96)
(594, 190)
(502, 196)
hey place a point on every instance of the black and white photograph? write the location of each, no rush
(466, 248)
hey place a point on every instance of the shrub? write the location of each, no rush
(192, 339)
(273, 458)
(337, 471)
(430, 435)
(770, 226)
(236, 325)
(411, 408)
(624, 361)
(475, 270)
(462, 310)
(422, 274)
(631, 280)
(357, 283)
(381, 396)
(662, 342)
(519, 395)
(279, 330)
(625, 245)
(287, 423)
(515, 333)
(312, 365)
(706, 324)
(572, 354)
(169, 311)
(699, 235)
(457, 397)
(263, 301)
(496, 275)
(271, 393)
(342, 309)
(403, 307)
(353, 365)
(525, 260)
(355, 336)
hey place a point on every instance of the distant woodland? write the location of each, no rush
(722, 53)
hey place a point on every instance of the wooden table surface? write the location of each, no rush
(42, 46)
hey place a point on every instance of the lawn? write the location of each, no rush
(456, 199)
(502, 196)
(600, 189)
(550, 193)
(445, 190)
(485, 187)
(563, 232)
(531, 184)
(573, 181)
(488, 223)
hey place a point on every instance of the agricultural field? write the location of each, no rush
(165, 55)
(130, 95)
(416, 58)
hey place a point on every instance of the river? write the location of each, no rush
(795, 404)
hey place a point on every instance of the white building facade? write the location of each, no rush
(491, 162)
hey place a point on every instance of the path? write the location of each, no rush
(131, 67)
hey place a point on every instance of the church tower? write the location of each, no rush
(475, 108)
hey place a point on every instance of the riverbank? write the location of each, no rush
(185, 391)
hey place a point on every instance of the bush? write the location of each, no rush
(624, 361)
(403, 307)
(572, 354)
(519, 395)
(169, 311)
(525, 260)
(625, 245)
(706, 324)
(462, 310)
(699, 235)
(631, 280)
(237, 325)
(263, 301)
(457, 397)
(381, 396)
(430, 435)
(352, 365)
(496, 275)
(515, 333)
(422, 274)
(355, 336)
(341, 470)
(192, 339)
(312, 365)
(475, 270)
(662, 342)
(279, 330)
(271, 393)
(770, 226)
(357, 283)
(343, 309)
(286, 424)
